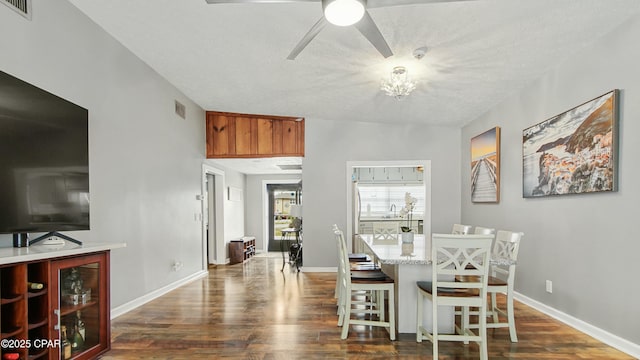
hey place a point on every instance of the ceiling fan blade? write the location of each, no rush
(255, 1)
(385, 3)
(315, 30)
(369, 29)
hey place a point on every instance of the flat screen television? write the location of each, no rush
(44, 161)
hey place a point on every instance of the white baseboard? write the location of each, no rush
(608, 338)
(319, 269)
(125, 308)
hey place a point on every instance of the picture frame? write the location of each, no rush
(485, 167)
(575, 152)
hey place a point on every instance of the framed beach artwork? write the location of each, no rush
(574, 152)
(485, 167)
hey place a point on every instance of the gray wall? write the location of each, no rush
(145, 162)
(585, 244)
(328, 147)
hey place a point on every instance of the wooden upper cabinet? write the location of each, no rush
(265, 137)
(231, 135)
(218, 135)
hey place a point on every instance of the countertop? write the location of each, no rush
(12, 255)
(398, 253)
(382, 218)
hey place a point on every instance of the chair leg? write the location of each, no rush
(392, 315)
(494, 308)
(434, 329)
(380, 304)
(347, 316)
(482, 318)
(464, 322)
(341, 311)
(419, 318)
(511, 318)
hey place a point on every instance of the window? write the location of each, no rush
(377, 200)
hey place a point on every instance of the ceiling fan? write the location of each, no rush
(342, 13)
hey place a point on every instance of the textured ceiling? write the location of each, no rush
(232, 57)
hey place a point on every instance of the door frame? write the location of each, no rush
(265, 207)
(426, 164)
(216, 253)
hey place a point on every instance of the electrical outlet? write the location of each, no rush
(177, 265)
(549, 285)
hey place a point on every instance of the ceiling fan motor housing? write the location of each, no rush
(343, 12)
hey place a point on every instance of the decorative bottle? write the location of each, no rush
(35, 285)
(77, 342)
(66, 346)
(82, 330)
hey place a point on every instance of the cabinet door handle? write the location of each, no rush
(57, 325)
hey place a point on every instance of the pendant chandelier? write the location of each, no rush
(399, 85)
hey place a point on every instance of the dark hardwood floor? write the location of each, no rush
(254, 311)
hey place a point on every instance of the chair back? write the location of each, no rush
(505, 254)
(385, 230)
(460, 263)
(344, 270)
(479, 230)
(461, 229)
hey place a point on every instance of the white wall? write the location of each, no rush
(145, 162)
(585, 244)
(328, 147)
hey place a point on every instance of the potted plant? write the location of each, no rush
(407, 211)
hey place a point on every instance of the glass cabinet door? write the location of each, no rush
(80, 306)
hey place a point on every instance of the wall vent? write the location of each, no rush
(290, 166)
(22, 7)
(181, 110)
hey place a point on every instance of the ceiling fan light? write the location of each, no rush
(343, 12)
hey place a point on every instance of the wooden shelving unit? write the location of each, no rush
(30, 319)
(242, 249)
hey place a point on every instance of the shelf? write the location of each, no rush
(9, 300)
(69, 309)
(242, 249)
(26, 313)
(36, 325)
(32, 294)
(11, 332)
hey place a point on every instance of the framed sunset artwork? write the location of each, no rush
(485, 167)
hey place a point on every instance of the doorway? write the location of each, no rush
(386, 183)
(213, 245)
(280, 198)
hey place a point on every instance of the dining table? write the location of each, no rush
(406, 263)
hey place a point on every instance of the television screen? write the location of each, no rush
(44, 160)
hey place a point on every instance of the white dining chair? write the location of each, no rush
(503, 273)
(461, 229)
(357, 282)
(454, 283)
(386, 230)
(504, 257)
(479, 230)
